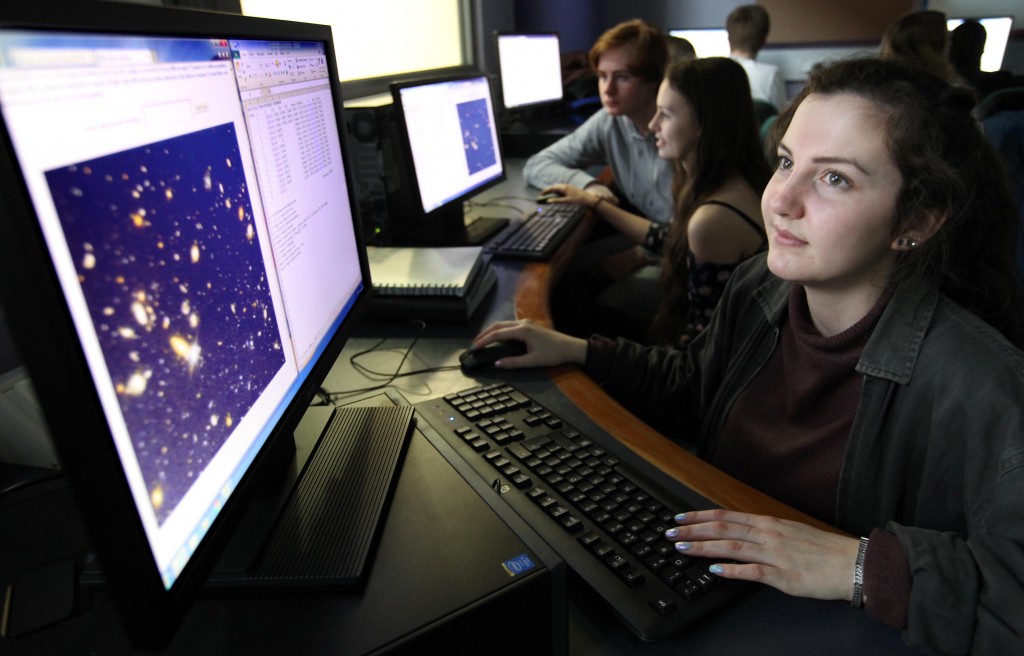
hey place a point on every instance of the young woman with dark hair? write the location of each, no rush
(705, 126)
(866, 370)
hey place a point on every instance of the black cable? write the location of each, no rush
(496, 202)
(329, 397)
(496, 198)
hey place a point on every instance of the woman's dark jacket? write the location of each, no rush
(935, 455)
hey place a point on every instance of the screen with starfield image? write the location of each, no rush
(187, 358)
(180, 217)
(449, 152)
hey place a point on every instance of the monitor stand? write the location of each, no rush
(327, 529)
(448, 227)
(483, 228)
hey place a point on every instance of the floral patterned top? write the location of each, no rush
(706, 280)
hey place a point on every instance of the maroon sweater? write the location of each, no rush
(787, 433)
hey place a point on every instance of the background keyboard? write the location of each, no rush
(603, 517)
(539, 235)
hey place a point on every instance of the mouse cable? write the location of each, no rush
(498, 202)
(491, 201)
(328, 397)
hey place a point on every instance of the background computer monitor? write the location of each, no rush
(707, 41)
(997, 35)
(179, 239)
(449, 151)
(530, 68)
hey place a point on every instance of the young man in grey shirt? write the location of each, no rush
(629, 60)
(614, 277)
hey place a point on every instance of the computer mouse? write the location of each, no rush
(485, 356)
(548, 197)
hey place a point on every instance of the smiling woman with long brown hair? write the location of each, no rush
(704, 125)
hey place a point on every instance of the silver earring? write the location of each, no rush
(906, 243)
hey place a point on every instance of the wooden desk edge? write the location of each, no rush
(532, 301)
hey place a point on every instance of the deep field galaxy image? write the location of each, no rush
(168, 257)
(475, 120)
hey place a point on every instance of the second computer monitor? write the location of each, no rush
(451, 152)
(531, 69)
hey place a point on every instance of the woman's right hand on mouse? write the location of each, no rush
(544, 347)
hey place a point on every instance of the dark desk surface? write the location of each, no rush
(767, 621)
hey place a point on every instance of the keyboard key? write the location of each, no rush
(671, 575)
(664, 605)
(521, 481)
(571, 523)
(615, 562)
(536, 493)
(688, 588)
(640, 550)
(632, 576)
(702, 578)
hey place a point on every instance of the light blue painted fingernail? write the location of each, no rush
(672, 533)
(715, 569)
(683, 546)
(680, 517)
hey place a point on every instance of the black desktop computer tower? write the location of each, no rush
(365, 123)
(385, 193)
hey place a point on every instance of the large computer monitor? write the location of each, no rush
(180, 248)
(997, 35)
(706, 41)
(448, 151)
(530, 67)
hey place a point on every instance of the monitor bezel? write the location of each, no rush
(447, 209)
(57, 364)
(501, 80)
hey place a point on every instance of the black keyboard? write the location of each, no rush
(604, 518)
(539, 235)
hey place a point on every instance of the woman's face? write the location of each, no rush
(830, 206)
(675, 125)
